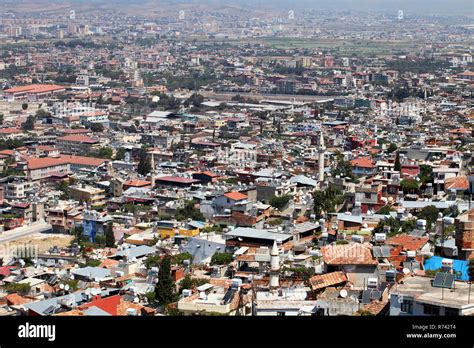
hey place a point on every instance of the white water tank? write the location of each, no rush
(131, 312)
(447, 264)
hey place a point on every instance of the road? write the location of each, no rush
(227, 96)
(21, 232)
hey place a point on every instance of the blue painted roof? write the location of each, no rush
(434, 263)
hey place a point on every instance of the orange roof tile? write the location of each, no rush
(35, 88)
(328, 279)
(459, 183)
(137, 183)
(78, 139)
(363, 162)
(348, 254)
(236, 196)
(408, 242)
(15, 300)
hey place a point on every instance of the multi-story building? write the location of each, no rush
(42, 168)
(18, 189)
(87, 194)
(465, 234)
(76, 144)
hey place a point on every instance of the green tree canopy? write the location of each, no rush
(280, 202)
(144, 164)
(109, 236)
(164, 289)
(221, 259)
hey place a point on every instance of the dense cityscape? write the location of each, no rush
(190, 159)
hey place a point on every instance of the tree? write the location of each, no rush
(100, 240)
(144, 165)
(221, 259)
(343, 168)
(103, 152)
(393, 224)
(392, 148)
(152, 261)
(280, 201)
(195, 99)
(97, 127)
(1, 119)
(327, 200)
(164, 290)
(29, 124)
(120, 155)
(40, 113)
(189, 212)
(385, 210)
(109, 236)
(78, 232)
(186, 283)
(470, 270)
(24, 106)
(426, 173)
(409, 185)
(398, 165)
(430, 214)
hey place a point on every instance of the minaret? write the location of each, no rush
(152, 170)
(274, 267)
(321, 151)
(375, 135)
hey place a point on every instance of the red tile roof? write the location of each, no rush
(10, 131)
(79, 139)
(408, 242)
(363, 162)
(137, 183)
(328, 279)
(348, 254)
(35, 88)
(458, 183)
(177, 179)
(45, 162)
(236, 196)
(84, 161)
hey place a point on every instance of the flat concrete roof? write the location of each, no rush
(420, 288)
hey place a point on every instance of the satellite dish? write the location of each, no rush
(343, 293)
(67, 287)
(136, 300)
(61, 286)
(406, 271)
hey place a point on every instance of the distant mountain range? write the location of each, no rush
(436, 7)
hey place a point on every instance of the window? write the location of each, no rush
(451, 312)
(280, 314)
(407, 306)
(430, 310)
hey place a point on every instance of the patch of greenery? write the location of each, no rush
(221, 259)
(280, 202)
